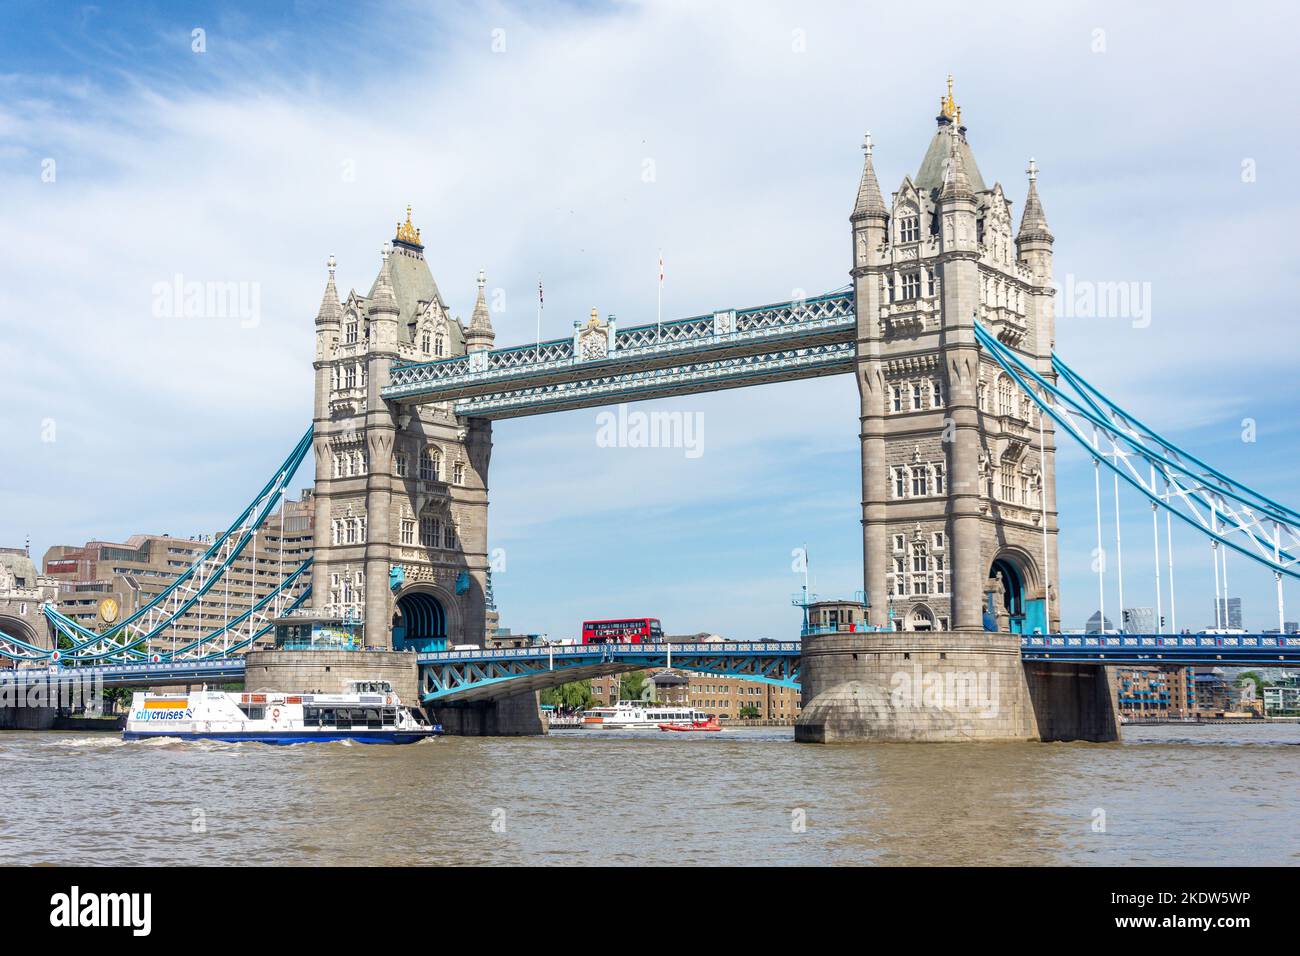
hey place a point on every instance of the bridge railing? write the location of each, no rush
(1121, 642)
(561, 651)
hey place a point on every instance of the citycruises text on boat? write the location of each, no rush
(366, 711)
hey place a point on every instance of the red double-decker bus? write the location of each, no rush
(633, 630)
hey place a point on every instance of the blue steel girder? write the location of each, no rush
(1256, 650)
(468, 676)
(696, 343)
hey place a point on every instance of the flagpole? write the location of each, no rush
(539, 316)
(659, 316)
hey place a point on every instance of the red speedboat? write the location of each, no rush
(711, 724)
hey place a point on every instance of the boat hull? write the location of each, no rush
(283, 738)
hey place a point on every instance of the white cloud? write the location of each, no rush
(229, 167)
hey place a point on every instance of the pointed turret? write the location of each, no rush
(956, 181)
(480, 336)
(382, 298)
(331, 312)
(870, 201)
(1033, 224)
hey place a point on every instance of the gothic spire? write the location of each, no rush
(331, 312)
(479, 335)
(956, 181)
(870, 201)
(1033, 224)
(382, 298)
(480, 320)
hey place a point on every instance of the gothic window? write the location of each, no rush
(937, 539)
(350, 377)
(900, 577)
(449, 536)
(1004, 396)
(938, 479)
(430, 465)
(458, 472)
(437, 344)
(361, 529)
(350, 331)
(334, 530)
(338, 465)
(334, 377)
(911, 285)
(909, 228)
(929, 283)
(900, 488)
(936, 394)
(430, 530)
(350, 531)
(920, 560)
(1008, 483)
(425, 341)
(399, 464)
(898, 543)
(898, 398)
(916, 395)
(920, 482)
(408, 531)
(1024, 490)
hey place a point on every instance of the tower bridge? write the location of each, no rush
(948, 328)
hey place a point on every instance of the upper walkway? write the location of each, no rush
(601, 364)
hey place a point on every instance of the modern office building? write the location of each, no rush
(102, 582)
(1139, 620)
(1095, 624)
(1229, 613)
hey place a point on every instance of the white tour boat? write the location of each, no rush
(638, 715)
(366, 711)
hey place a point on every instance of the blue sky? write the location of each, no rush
(303, 131)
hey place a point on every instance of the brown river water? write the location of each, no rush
(1166, 795)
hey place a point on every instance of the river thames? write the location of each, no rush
(1165, 795)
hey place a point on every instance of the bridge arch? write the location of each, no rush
(1016, 590)
(425, 618)
(23, 629)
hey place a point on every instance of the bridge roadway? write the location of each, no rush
(464, 676)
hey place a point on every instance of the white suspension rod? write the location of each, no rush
(1119, 556)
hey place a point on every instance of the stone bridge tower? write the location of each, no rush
(401, 491)
(957, 533)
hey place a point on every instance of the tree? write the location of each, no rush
(573, 696)
(1254, 678)
(749, 712)
(631, 686)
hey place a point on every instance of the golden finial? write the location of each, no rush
(948, 105)
(406, 232)
(595, 318)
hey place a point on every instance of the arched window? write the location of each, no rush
(458, 472)
(909, 225)
(1004, 396)
(437, 344)
(425, 341)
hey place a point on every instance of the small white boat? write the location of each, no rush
(368, 712)
(638, 715)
